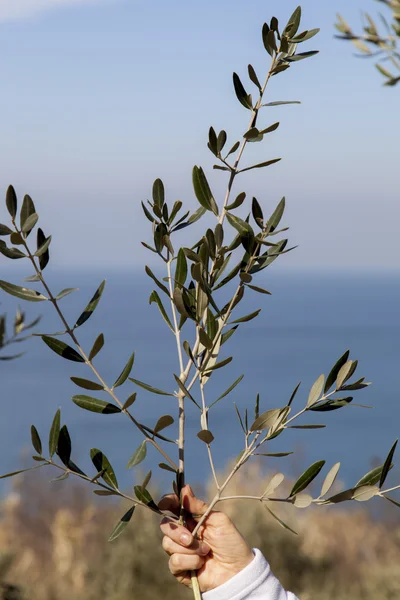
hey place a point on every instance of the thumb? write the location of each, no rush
(191, 504)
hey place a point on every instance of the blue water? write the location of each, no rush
(308, 322)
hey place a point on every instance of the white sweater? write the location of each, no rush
(255, 582)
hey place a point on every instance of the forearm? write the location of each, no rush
(255, 582)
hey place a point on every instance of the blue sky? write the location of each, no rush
(101, 97)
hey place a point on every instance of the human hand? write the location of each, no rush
(218, 553)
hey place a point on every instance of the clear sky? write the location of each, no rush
(100, 97)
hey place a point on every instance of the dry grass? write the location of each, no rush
(53, 546)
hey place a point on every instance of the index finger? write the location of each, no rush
(170, 502)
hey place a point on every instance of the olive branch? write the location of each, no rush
(201, 301)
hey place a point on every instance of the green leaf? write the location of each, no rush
(97, 346)
(387, 464)
(144, 496)
(149, 388)
(36, 441)
(316, 391)
(184, 390)
(345, 373)
(281, 523)
(372, 477)
(64, 445)
(181, 269)
(266, 420)
(219, 365)
(86, 383)
(261, 165)
(331, 404)
(102, 463)
(233, 149)
(61, 477)
(205, 436)
(95, 405)
(270, 129)
(293, 24)
(229, 390)
(241, 226)
(30, 223)
(166, 467)
(4, 230)
(292, 397)
(158, 193)
(18, 472)
(306, 426)
(301, 56)
(87, 313)
(138, 456)
(44, 255)
(62, 349)
(205, 340)
(243, 97)
(221, 141)
(66, 292)
(21, 292)
(335, 370)
(249, 317)
(237, 202)
(203, 191)
(307, 477)
(305, 36)
(330, 479)
(386, 497)
(154, 297)
(253, 77)
(282, 102)
(274, 454)
(122, 523)
(125, 372)
(105, 493)
(258, 289)
(11, 201)
(365, 493)
(129, 401)
(163, 422)
(149, 217)
(276, 216)
(27, 209)
(13, 253)
(156, 281)
(54, 433)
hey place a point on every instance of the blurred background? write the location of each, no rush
(100, 98)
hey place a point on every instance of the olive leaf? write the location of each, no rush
(54, 433)
(243, 97)
(203, 191)
(330, 479)
(87, 313)
(125, 372)
(62, 349)
(330, 380)
(205, 436)
(36, 441)
(102, 463)
(22, 292)
(95, 405)
(315, 391)
(281, 523)
(150, 388)
(86, 383)
(138, 456)
(307, 477)
(387, 464)
(97, 346)
(122, 524)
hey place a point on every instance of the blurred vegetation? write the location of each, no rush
(53, 545)
(379, 38)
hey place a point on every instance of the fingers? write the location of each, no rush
(181, 537)
(180, 563)
(170, 502)
(191, 504)
(197, 547)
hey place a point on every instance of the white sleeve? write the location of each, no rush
(255, 582)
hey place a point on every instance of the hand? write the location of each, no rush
(218, 553)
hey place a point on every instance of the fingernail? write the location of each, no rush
(186, 539)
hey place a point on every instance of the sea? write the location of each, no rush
(307, 323)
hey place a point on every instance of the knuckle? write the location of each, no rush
(175, 563)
